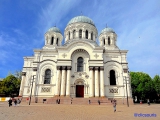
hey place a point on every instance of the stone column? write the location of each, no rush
(58, 81)
(71, 35)
(91, 81)
(68, 81)
(94, 37)
(77, 34)
(54, 41)
(96, 83)
(89, 35)
(63, 81)
(22, 83)
(83, 34)
(101, 81)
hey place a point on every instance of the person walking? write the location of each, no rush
(114, 105)
(10, 102)
(15, 102)
(99, 102)
(148, 102)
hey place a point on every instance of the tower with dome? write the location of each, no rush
(79, 68)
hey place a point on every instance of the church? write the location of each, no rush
(89, 64)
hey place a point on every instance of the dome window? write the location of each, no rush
(80, 33)
(69, 35)
(52, 40)
(86, 34)
(104, 41)
(57, 42)
(109, 41)
(74, 34)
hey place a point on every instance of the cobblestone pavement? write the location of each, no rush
(39, 111)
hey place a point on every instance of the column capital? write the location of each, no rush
(96, 68)
(58, 67)
(69, 67)
(90, 68)
(23, 73)
(63, 67)
(101, 68)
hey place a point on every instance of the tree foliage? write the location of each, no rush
(10, 86)
(143, 86)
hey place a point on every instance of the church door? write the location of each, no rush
(79, 90)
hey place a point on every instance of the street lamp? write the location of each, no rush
(32, 80)
(126, 90)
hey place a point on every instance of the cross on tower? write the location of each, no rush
(64, 55)
(96, 56)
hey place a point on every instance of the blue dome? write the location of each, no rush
(54, 29)
(107, 30)
(82, 19)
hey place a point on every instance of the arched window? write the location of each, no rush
(52, 40)
(86, 34)
(74, 34)
(112, 77)
(109, 41)
(79, 64)
(80, 33)
(92, 36)
(47, 77)
(104, 41)
(68, 35)
(57, 42)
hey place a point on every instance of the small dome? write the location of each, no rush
(54, 29)
(107, 30)
(82, 19)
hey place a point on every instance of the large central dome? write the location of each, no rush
(82, 19)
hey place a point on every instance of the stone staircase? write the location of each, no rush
(78, 101)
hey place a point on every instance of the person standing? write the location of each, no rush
(114, 105)
(10, 102)
(18, 101)
(89, 102)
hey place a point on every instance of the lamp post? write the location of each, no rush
(32, 80)
(126, 90)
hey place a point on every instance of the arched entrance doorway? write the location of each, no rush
(79, 88)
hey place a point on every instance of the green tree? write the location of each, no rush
(142, 85)
(10, 86)
(156, 82)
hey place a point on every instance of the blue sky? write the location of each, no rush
(23, 24)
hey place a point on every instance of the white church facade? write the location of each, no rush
(80, 67)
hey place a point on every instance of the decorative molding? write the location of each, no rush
(113, 90)
(45, 89)
(64, 55)
(72, 76)
(96, 55)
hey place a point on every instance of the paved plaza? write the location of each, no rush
(40, 111)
